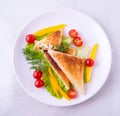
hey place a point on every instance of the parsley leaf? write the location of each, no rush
(35, 58)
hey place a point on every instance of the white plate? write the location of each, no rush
(91, 33)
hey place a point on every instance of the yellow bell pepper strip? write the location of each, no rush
(89, 69)
(93, 51)
(62, 92)
(54, 81)
(49, 30)
(53, 87)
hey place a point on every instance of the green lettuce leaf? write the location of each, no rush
(60, 83)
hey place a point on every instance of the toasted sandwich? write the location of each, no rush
(51, 40)
(57, 70)
(71, 66)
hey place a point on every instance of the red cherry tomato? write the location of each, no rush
(73, 33)
(38, 83)
(78, 42)
(37, 74)
(30, 38)
(78, 38)
(72, 93)
(89, 62)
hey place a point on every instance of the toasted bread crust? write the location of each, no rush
(72, 67)
(53, 39)
(58, 71)
(71, 51)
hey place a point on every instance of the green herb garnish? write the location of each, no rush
(66, 41)
(35, 58)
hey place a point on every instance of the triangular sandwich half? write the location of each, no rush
(51, 40)
(72, 67)
(57, 70)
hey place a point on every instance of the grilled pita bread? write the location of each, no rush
(72, 67)
(57, 70)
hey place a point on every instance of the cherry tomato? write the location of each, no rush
(30, 38)
(73, 33)
(78, 38)
(37, 74)
(78, 42)
(89, 62)
(71, 93)
(38, 83)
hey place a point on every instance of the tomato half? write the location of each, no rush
(73, 33)
(30, 38)
(71, 93)
(38, 83)
(37, 74)
(89, 62)
(78, 42)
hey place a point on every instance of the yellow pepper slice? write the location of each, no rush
(53, 87)
(54, 81)
(93, 51)
(62, 92)
(89, 69)
(49, 29)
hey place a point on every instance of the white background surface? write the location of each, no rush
(14, 101)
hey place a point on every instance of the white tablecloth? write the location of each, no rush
(14, 101)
